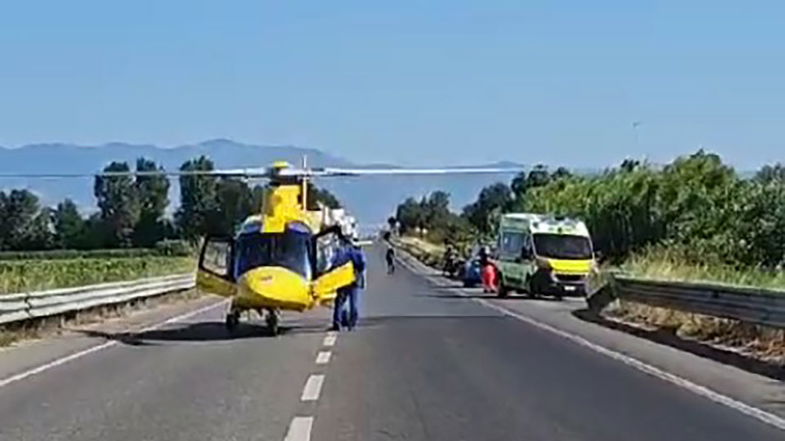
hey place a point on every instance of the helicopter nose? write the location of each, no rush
(275, 286)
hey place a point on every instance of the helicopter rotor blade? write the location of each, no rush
(274, 172)
(329, 171)
(229, 173)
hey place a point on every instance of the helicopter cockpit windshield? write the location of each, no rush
(289, 249)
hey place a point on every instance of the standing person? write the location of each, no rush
(488, 271)
(349, 251)
(390, 257)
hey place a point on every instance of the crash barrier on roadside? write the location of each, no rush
(749, 305)
(32, 305)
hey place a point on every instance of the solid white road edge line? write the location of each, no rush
(323, 357)
(313, 387)
(299, 429)
(68, 358)
(759, 414)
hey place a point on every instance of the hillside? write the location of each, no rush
(371, 198)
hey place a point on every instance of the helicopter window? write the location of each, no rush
(216, 257)
(327, 247)
(290, 250)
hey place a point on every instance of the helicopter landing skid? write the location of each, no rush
(271, 318)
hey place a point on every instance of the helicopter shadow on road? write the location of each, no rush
(199, 332)
(669, 338)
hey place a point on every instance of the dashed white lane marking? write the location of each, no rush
(299, 429)
(323, 357)
(68, 358)
(329, 340)
(313, 387)
(746, 409)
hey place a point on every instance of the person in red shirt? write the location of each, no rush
(489, 276)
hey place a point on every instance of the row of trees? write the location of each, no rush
(431, 213)
(132, 210)
(696, 205)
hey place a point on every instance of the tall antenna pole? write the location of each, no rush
(305, 184)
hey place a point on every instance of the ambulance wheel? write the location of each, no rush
(532, 290)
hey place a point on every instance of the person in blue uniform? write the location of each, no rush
(349, 251)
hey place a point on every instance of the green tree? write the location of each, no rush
(483, 213)
(69, 227)
(409, 215)
(40, 232)
(523, 183)
(235, 203)
(322, 196)
(118, 203)
(561, 173)
(771, 173)
(198, 210)
(20, 226)
(436, 211)
(257, 198)
(152, 193)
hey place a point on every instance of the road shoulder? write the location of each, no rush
(759, 392)
(75, 338)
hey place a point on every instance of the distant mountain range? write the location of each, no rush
(371, 199)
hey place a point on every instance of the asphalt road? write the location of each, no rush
(425, 364)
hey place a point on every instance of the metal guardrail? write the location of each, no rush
(31, 305)
(750, 305)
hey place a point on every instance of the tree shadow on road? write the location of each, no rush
(669, 338)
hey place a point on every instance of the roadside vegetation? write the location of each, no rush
(695, 218)
(669, 264)
(40, 274)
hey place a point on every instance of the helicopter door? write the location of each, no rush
(332, 269)
(216, 269)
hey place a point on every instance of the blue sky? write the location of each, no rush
(451, 82)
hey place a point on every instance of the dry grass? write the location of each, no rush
(422, 245)
(759, 342)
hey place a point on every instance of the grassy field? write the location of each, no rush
(38, 274)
